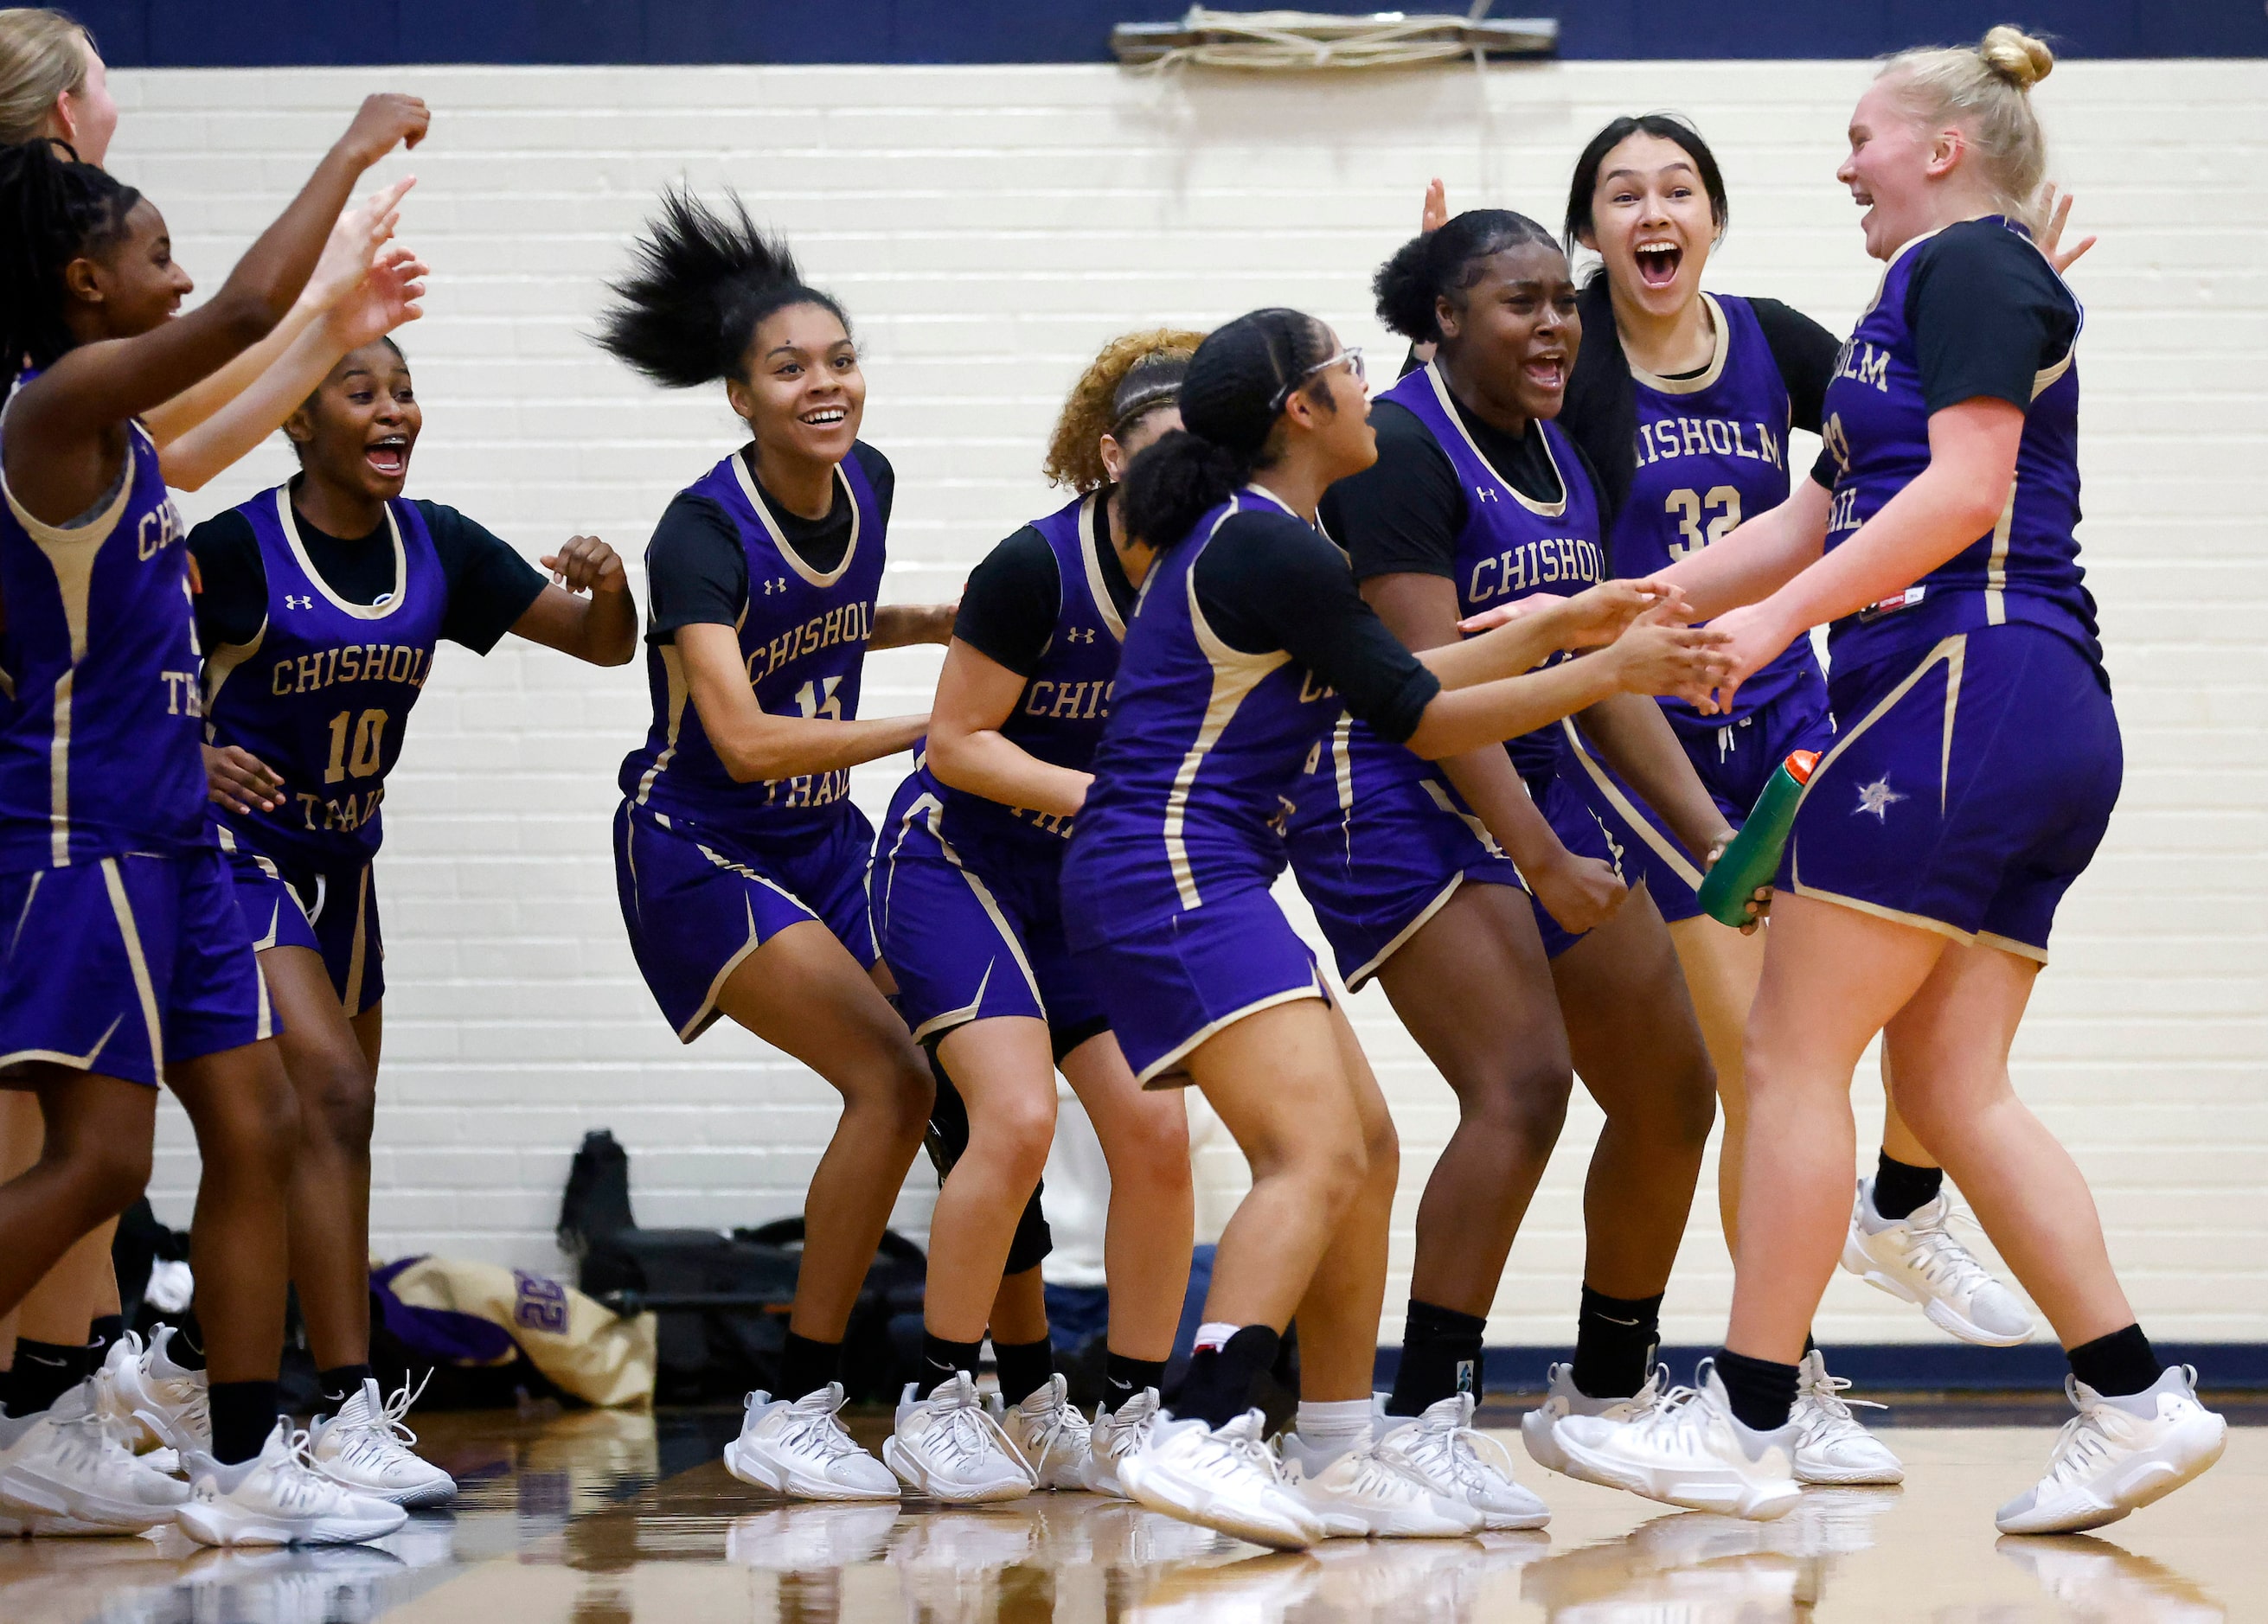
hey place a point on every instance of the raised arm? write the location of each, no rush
(354, 246)
(600, 628)
(1757, 558)
(96, 385)
(976, 695)
(756, 746)
(900, 625)
(385, 299)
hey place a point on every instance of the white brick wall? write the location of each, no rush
(987, 227)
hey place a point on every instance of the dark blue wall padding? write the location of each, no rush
(246, 33)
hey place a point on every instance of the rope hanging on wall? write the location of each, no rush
(1303, 41)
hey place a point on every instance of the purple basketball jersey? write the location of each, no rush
(803, 640)
(2026, 568)
(1203, 745)
(98, 727)
(322, 693)
(1712, 451)
(1059, 716)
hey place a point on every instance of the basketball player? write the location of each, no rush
(1476, 498)
(741, 860)
(970, 919)
(1249, 639)
(127, 956)
(321, 604)
(1973, 773)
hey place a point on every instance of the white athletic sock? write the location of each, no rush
(1332, 1428)
(1213, 1335)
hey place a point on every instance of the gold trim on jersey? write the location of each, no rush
(930, 813)
(355, 954)
(1361, 977)
(1147, 1077)
(1542, 510)
(755, 494)
(1678, 863)
(1093, 527)
(1234, 675)
(673, 667)
(394, 599)
(1715, 369)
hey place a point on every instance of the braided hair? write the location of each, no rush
(1444, 264)
(53, 209)
(703, 279)
(1231, 399)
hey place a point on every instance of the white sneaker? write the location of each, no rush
(948, 1447)
(112, 1399)
(1053, 1438)
(1224, 1478)
(1690, 1449)
(168, 1400)
(1539, 1427)
(276, 1498)
(1442, 1448)
(1115, 1434)
(365, 1448)
(67, 1462)
(800, 1450)
(1917, 1258)
(2117, 1455)
(1357, 1493)
(1832, 1447)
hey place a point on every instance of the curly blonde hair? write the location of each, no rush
(1986, 88)
(1094, 407)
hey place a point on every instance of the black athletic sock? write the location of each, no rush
(1762, 1393)
(1024, 1368)
(806, 1366)
(1218, 1387)
(44, 1371)
(243, 1414)
(2115, 1366)
(187, 1347)
(101, 1335)
(1123, 1377)
(341, 1385)
(1900, 1186)
(942, 1360)
(1440, 1355)
(1615, 1342)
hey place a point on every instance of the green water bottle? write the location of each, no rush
(1753, 857)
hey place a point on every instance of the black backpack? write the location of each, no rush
(723, 1300)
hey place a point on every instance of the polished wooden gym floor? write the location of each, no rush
(611, 1517)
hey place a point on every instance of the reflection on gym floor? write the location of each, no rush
(609, 1518)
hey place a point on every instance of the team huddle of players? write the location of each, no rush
(1495, 661)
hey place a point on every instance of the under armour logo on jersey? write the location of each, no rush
(290, 602)
(775, 584)
(1485, 493)
(1876, 797)
(1079, 633)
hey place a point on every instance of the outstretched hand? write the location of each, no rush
(381, 121)
(1599, 614)
(2058, 210)
(1754, 635)
(385, 298)
(1435, 215)
(355, 243)
(1659, 655)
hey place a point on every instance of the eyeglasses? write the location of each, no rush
(1350, 358)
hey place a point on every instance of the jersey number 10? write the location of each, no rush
(1723, 505)
(369, 730)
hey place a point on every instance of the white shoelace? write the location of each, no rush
(1937, 1255)
(1059, 1424)
(968, 1432)
(1377, 1477)
(1678, 1420)
(1826, 1395)
(300, 1490)
(813, 1425)
(2081, 1448)
(1125, 1428)
(1242, 1441)
(1471, 1458)
(382, 1436)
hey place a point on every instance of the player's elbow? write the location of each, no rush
(947, 754)
(247, 314)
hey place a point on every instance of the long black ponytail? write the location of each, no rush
(1238, 384)
(1601, 409)
(53, 209)
(703, 281)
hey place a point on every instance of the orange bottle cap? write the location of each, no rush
(1801, 763)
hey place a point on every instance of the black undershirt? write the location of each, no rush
(698, 571)
(1402, 514)
(1988, 313)
(1009, 609)
(1267, 582)
(489, 586)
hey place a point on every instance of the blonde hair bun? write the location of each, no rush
(2016, 56)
